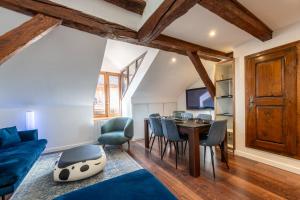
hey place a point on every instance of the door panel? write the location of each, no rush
(269, 78)
(271, 110)
(269, 123)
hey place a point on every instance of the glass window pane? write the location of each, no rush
(131, 70)
(114, 95)
(124, 82)
(99, 100)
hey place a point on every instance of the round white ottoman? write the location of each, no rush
(79, 163)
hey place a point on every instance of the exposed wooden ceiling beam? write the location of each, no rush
(167, 12)
(71, 18)
(136, 6)
(84, 22)
(19, 38)
(202, 73)
(235, 13)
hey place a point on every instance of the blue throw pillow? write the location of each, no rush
(9, 136)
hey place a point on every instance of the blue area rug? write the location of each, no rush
(138, 185)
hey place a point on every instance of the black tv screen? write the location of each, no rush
(198, 98)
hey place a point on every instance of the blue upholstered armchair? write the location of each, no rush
(116, 131)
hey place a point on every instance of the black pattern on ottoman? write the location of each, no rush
(79, 163)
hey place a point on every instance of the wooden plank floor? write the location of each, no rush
(246, 179)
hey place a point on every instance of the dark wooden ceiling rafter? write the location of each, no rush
(238, 15)
(202, 73)
(167, 12)
(136, 6)
(24, 35)
(94, 25)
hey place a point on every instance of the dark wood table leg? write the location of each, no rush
(146, 133)
(194, 152)
(224, 149)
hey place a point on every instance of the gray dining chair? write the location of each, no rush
(152, 115)
(215, 137)
(177, 114)
(206, 117)
(157, 131)
(172, 135)
(187, 116)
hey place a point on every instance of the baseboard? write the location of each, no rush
(61, 148)
(280, 165)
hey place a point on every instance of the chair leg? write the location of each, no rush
(222, 152)
(161, 145)
(204, 155)
(166, 145)
(185, 146)
(176, 149)
(128, 144)
(212, 160)
(182, 148)
(151, 137)
(103, 146)
(152, 143)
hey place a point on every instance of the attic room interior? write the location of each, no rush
(149, 99)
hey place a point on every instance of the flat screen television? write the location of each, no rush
(198, 98)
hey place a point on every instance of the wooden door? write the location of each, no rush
(271, 100)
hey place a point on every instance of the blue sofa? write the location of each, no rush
(18, 152)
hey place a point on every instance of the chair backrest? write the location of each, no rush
(216, 133)
(170, 129)
(154, 115)
(187, 116)
(205, 117)
(119, 124)
(155, 125)
(177, 113)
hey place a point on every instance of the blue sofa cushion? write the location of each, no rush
(9, 136)
(135, 185)
(15, 162)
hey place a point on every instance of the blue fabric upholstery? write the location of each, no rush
(17, 159)
(28, 135)
(216, 134)
(170, 129)
(9, 136)
(138, 185)
(116, 131)
(154, 115)
(156, 127)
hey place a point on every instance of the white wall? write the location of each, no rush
(56, 77)
(284, 36)
(181, 101)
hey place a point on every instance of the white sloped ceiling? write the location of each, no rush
(60, 69)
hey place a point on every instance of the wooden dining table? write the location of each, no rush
(193, 129)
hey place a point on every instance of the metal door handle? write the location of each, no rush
(251, 102)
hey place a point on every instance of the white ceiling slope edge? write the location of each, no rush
(59, 69)
(165, 80)
(119, 54)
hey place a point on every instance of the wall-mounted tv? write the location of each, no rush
(198, 98)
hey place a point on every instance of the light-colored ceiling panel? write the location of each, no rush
(196, 25)
(120, 54)
(10, 20)
(274, 13)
